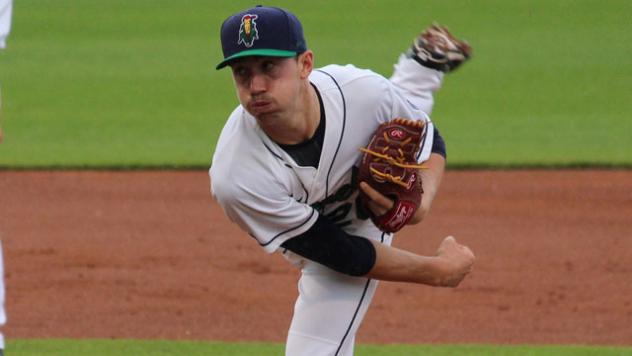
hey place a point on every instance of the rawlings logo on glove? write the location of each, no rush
(389, 165)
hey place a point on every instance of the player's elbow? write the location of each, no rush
(419, 215)
(222, 189)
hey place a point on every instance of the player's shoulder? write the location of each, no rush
(235, 141)
(234, 133)
(361, 86)
(346, 75)
(240, 154)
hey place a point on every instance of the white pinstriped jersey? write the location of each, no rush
(263, 190)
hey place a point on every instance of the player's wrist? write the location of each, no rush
(433, 271)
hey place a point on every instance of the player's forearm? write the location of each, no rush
(431, 180)
(393, 264)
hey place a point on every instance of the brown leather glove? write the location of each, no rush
(389, 165)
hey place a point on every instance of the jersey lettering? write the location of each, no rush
(340, 215)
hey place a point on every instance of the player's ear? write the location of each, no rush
(305, 63)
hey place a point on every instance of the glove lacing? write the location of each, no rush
(396, 161)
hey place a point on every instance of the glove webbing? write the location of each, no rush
(399, 162)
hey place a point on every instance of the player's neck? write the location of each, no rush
(300, 124)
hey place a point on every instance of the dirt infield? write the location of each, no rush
(150, 255)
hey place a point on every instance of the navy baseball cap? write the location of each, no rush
(261, 31)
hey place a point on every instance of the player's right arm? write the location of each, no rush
(329, 245)
(447, 268)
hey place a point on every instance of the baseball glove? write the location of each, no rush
(438, 49)
(389, 165)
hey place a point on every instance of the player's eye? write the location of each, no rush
(240, 71)
(268, 66)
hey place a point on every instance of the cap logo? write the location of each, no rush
(248, 30)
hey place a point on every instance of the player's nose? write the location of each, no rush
(258, 84)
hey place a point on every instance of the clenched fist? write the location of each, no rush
(455, 262)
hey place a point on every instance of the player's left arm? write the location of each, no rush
(432, 176)
(430, 179)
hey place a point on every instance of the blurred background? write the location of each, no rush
(129, 84)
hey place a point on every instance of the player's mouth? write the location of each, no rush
(260, 106)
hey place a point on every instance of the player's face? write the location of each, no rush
(267, 86)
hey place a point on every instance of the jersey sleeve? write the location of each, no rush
(262, 208)
(419, 83)
(401, 106)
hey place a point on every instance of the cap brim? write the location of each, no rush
(256, 52)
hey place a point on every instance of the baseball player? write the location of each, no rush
(285, 164)
(5, 26)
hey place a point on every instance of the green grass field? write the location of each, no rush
(132, 83)
(195, 348)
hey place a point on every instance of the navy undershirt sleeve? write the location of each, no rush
(331, 246)
(438, 144)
